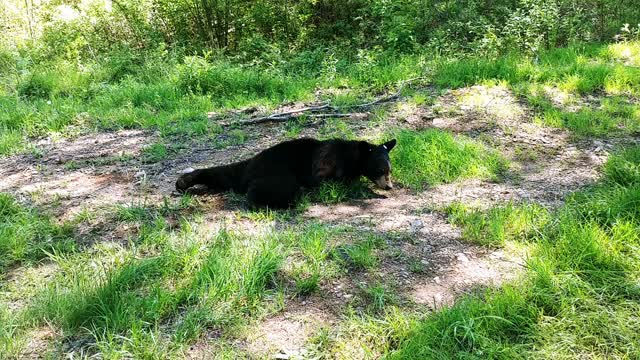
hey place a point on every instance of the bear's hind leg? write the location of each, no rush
(273, 191)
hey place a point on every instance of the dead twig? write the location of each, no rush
(287, 115)
(283, 116)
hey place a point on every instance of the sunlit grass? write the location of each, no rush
(625, 52)
(170, 281)
(169, 284)
(432, 157)
(499, 225)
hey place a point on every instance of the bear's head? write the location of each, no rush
(376, 165)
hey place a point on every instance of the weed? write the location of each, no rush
(154, 153)
(416, 266)
(378, 297)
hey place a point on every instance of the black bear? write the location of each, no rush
(275, 176)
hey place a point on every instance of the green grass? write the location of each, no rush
(154, 153)
(498, 225)
(614, 116)
(433, 157)
(193, 285)
(27, 235)
(361, 254)
(333, 192)
(623, 168)
(168, 284)
(174, 94)
(580, 68)
(378, 297)
(167, 281)
(11, 142)
(11, 342)
(365, 335)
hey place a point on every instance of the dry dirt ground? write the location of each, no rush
(86, 173)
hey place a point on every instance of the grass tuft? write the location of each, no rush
(498, 225)
(623, 168)
(433, 157)
(154, 153)
(27, 235)
(378, 297)
(361, 254)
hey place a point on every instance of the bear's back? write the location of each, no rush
(293, 156)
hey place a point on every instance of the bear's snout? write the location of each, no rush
(384, 182)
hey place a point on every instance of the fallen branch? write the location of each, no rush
(283, 116)
(287, 115)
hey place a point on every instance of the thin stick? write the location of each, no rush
(284, 116)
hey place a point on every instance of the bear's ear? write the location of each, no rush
(389, 145)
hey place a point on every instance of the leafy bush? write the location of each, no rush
(262, 27)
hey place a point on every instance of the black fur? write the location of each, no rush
(275, 176)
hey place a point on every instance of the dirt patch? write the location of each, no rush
(85, 172)
(39, 342)
(468, 270)
(286, 334)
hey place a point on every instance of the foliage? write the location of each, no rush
(80, 29)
